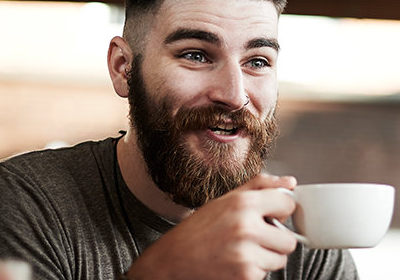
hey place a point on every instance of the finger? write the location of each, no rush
(262, 203)
(271, 261)
(269, 237)
(264, 259)
(264, 181)
(277, 240)
(252, 207)
(271, 203)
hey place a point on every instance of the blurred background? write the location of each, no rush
(339, 91)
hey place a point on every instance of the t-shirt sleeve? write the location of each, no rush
(29, 227)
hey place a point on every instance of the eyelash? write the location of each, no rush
(259, 59)
(189, 55)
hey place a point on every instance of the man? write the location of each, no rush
(180, 195)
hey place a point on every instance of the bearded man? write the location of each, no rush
(180, 195)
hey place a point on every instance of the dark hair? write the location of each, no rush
(140, 4)
(150, 4)
(139, 15)
(138, 19)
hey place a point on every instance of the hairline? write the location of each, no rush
(136, 33)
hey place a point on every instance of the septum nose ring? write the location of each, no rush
(247, 101)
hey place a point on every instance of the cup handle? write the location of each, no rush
(279, 225)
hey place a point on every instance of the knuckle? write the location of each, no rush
(289, 204)
(289, 181)
(263, 181)
(243, 231)
(245, 228)
(290, 244)
(245, 267)
(282, 262)
(248, 271)
(243, 256)
(242, 200)
(239, 257)
(278, 262)
(270, 180)
(265, 176)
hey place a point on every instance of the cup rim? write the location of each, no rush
(341, 185)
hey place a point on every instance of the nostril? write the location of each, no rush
(221, 103)
(232, 103)
(247, 101)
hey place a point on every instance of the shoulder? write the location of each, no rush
(39, 164)
(52, 176)
(44, 189)
(54, 202)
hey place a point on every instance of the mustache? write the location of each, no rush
(213, 116)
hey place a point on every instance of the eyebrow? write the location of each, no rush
(263, 42)
(186, 33)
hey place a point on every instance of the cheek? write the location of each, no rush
(265, 94)
(186, 87)
(166, 83)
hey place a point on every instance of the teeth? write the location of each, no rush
(224, 129)
(221, 132)
(225, 126)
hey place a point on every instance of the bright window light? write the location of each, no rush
(339, 56)
(320, 58)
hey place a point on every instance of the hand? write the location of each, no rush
(227, 238)
(14, 270)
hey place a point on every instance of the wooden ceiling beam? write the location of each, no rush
(377, 9)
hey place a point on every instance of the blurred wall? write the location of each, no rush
(340, 142)
(34, 115)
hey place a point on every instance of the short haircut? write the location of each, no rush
(139, 16)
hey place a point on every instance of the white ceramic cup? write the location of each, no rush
(341, 215)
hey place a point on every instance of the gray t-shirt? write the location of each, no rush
(69, 213)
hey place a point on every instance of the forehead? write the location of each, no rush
(227, 18)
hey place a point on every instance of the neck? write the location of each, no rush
(139, 182)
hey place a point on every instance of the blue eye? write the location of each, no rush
(258, 63)
(195, 57)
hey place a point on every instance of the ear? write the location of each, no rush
(119, 61)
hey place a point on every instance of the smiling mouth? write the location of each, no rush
(224, 129)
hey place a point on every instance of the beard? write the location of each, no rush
(192, 179)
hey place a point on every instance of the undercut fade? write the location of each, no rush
(139, 15)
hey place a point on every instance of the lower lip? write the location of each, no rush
(222, 138)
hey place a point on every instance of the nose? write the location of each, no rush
(229, 90)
